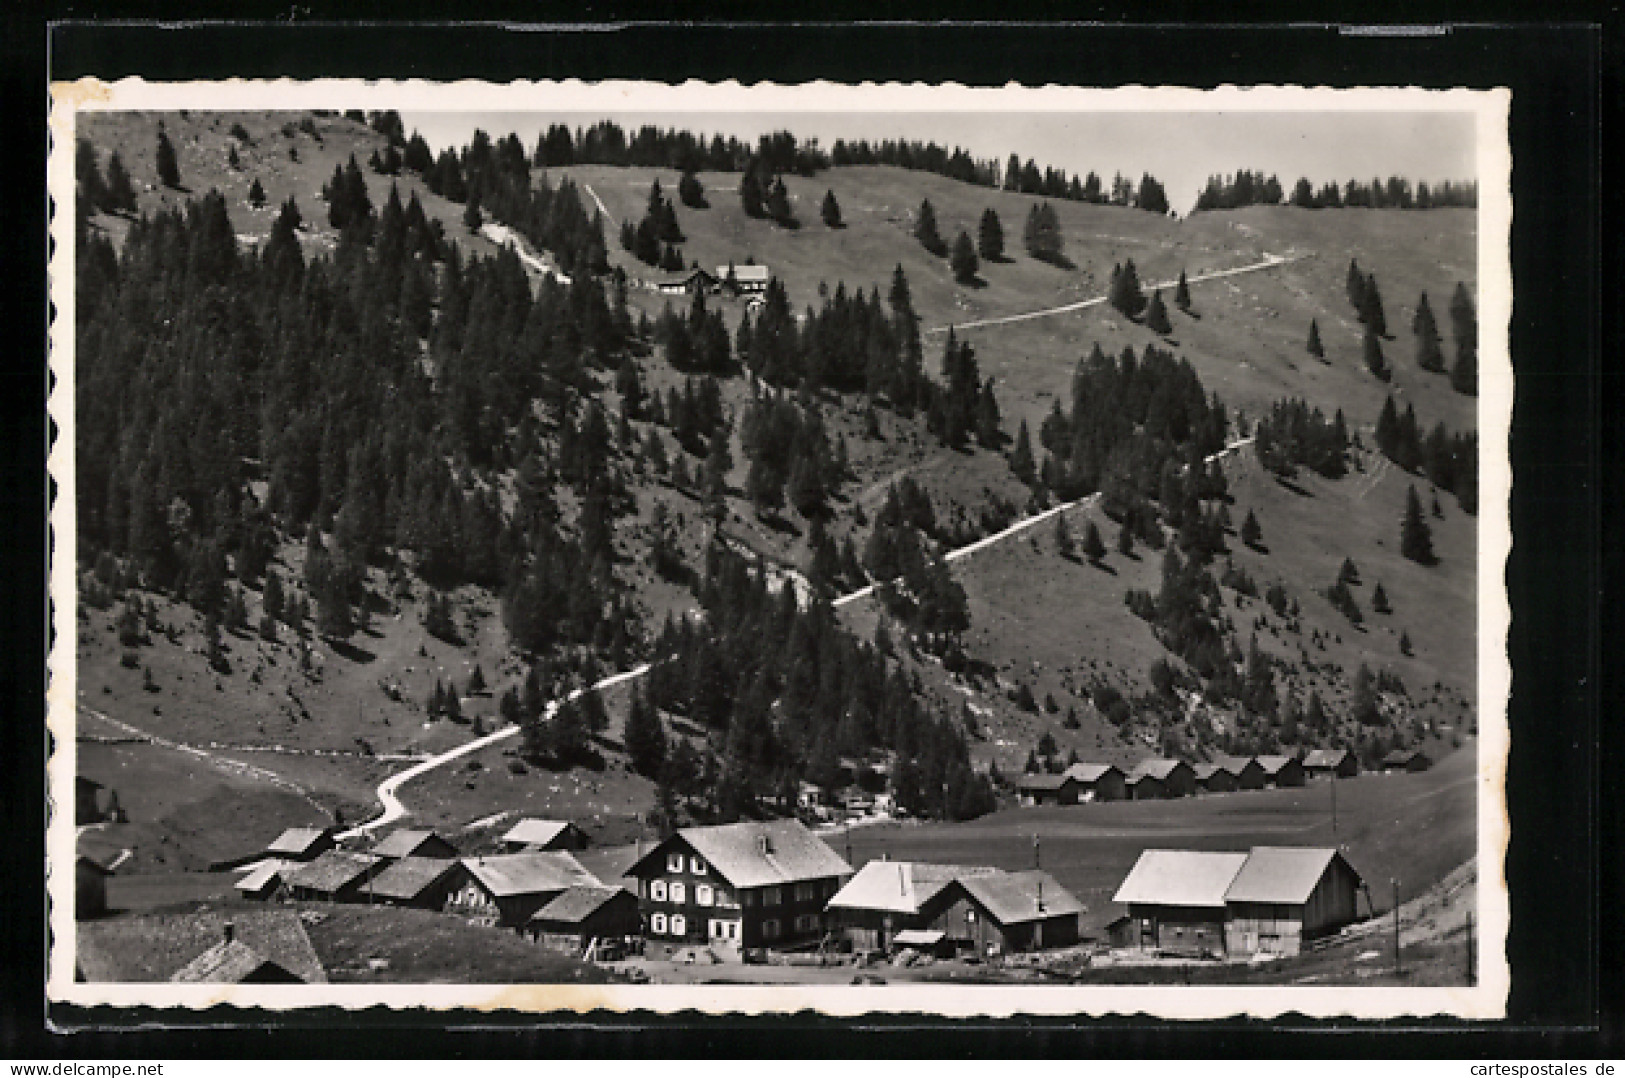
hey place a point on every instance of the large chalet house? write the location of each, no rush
(737, 886)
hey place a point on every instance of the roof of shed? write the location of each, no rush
(1087, 773)
(1234, 765)
(1040, 781)
(1013, 897)
(1272, 764)
(536, 832)
(410, 876)
(1156, 768)
(405, 842)
(149, 947)
(296, 840)
(1325, 757)
(332, 870)
(900, 886)
(527, 873)
(577, 904)
(744, 273)
(1282, 874)
(227, 962)
(736, 851)
(1180, 878)
(267, 871)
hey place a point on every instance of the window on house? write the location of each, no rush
(747, 899)
(657, 923)
(770, 929)
(724, 898)
(677, 892)
(657, 890)
(770, 896)
(704, 895)
(696, 865)
(970, 917)
(805, 892)
(674, 862)
(679, 925)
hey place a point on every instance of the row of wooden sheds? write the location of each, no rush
(1159, 778)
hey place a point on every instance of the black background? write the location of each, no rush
(1563, 577)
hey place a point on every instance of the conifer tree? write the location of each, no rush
(925, 230)
(690, 191)
(1042, 234)
(1415, 537)
(1371, 311)
(92, 189)
(1314, 346)
(963, 261)
(1156, 315)
(1094, 548)
(1125, 540)
(256, 194)
(1021, 456)
(830, 211)
(1124, 291)
(1251, 533)
(472, 218)
(120, 192)
(169, 172)
(645, 738)
(1375, 362)
(1404, 643)
(1379, 600)
(1463, 327)
(990, 237)
(1064, 546)
(1365, 705)
(1429, 355)
(1182, 293)
(778, 203)
(1355, 285)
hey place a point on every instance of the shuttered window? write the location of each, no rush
(703, 894)
(657, 890)
(679, 893)
(657, 923)
(679, 924)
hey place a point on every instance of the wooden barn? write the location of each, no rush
(743, 280)
(335, 876)
(1281, 771)
(1041, 789)
(1245, 770)
(1285, 896)
(264, 881)
(886, 898)
(89, 887)
(1330, 763)
(738, 886)
(420, 882)
(414, 842)
(1005, 912)
(538, 835)
(1407, 760)
(1176, 900)
(1157, 778)
(1213, 779)
(505, 890)
(580, 915)
(690, 282)
(1099, 782)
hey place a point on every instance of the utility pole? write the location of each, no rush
(1397, 966)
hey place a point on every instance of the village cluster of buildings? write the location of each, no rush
(741, 890)
(1157, 778)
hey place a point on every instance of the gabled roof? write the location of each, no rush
(296, 840)
(1273, 764)
(1156, 768)
(263, 873)
(1235, 765)
(536, 832)
(1404, 756)
(1282, 874)
(149, 947)
(610, 865)
(533, 872)
(1180, 878)
(577, 904)
(900, 886)
(1325, 757)
(409, 877)
(1015, 897)
(1038, 780)
(1206, 771)
(1087, 773)
(229, 962)
(332, 870)
(406, 842)
(736, 851)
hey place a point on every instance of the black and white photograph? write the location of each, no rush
(906, 548)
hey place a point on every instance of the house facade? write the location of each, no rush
(737, 886)
(506, 890)
(1247, 772)
(1286, 896)
(1007, 912)
(1176, 900)
(335, 876)
(572, 921)
(1213, 779)
(746, 280)
(1157, 778)
(1330, 763)
(1281, 771)
(423, 883)
(1041, 789)
(1099, 782)
(887, 897)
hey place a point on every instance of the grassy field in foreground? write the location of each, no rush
(1416, 828)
